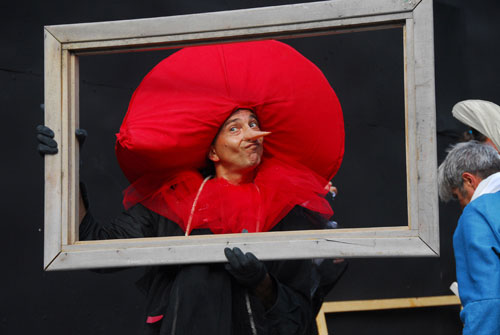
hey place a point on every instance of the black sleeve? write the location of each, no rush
(301, 284)
(292, 313)
(136, 222)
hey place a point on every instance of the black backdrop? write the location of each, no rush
(83, 302)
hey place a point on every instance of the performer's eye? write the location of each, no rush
(254, 124)
(233, 129)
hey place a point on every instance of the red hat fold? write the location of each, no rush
(178, 108)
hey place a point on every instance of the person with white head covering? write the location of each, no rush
(482, 116)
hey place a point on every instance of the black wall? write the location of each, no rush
(84, 302)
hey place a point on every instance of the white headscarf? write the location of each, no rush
(484, 116)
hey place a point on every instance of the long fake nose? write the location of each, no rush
(252, 135)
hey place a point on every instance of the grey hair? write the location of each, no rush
(479, 159)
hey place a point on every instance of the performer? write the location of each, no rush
(471, 174)
(192, 146)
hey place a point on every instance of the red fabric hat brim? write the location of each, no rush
(180, 105)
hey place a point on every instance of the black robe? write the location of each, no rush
(205, 299)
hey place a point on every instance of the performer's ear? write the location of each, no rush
(470, 179)
(212, 155)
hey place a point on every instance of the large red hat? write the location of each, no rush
(179, 106)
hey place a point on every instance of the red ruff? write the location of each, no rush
(178, 108)
(226, 208)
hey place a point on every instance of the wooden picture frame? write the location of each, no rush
(65, 43)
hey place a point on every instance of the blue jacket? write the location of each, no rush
(477, 254)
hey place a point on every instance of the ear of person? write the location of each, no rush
(470, 180)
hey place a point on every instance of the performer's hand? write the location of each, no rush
(81, 135)
(245, 268)
(332, 189)
(48, 146)
(46, 143)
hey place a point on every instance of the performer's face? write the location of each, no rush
(238, 145)
(463, 198)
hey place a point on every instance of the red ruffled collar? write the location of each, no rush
(225, 208)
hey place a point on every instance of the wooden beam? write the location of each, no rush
(321, 322)
(382, 304)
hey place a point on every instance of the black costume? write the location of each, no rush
(205, 299)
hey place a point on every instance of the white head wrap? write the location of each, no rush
(484, 116)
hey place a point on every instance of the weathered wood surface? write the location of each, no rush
(53, 182)
(83, 256)
(296, 16)
(396, 303)
(428, 218)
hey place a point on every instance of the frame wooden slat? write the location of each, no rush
(53, 182)
(234, 35)
(231, 20)
(83, 256)
(64, 44)
(426, 125)
(411, 125)
(395, 303)
(65, 147)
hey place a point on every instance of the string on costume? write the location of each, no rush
(190, 221)
(259, 212)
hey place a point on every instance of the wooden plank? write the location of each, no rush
(99, 256)
(67, 145)
(167, 41)
(383, 304)
(411, 126)
(321, 322)
(258, 33)
(230, 20)
(53, 182)
(367, 235)
(281, 239)
(64, 147)
(74, 108)
(327, 234)
(426, 125)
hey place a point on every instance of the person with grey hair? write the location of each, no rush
(470, 173)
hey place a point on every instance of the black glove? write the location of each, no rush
(245, 268)
(48, 146)
(46, 143)
(81, 135)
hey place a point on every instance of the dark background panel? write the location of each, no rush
(366, 70)
(416, 321)
(84, 302)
